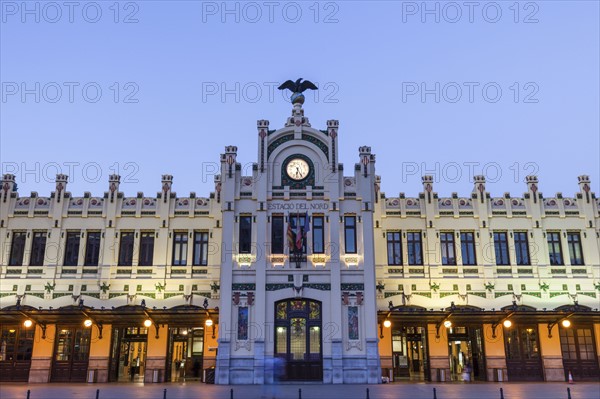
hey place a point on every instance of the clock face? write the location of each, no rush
(297, 169)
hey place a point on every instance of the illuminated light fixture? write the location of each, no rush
(87, 323)
(147, 323)
(28, 323)
(566, 323)
(12, 331)
(280, 330)
(447, 324)
(208, 322)
(185, 332)
(387, 323)
(507, 323)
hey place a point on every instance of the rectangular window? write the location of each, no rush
(245, 234)
(447, 246)
(200, 248)
(555, 248)
(146, 249)
(72, 248)
(467, 248)
(92, 248)
(522, 248)
(575, 251)
(17, 249)
(318, 234)
(394, 248)
(276, 234)
(126, 249)
(180, 243)
(415, 248)
(501, 248)
(350, 234)
(38, 248)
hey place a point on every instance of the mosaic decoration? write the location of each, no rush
(278, 142)
(353, 322)
(242, 330)
(352, 287)
(243, 287)
(313, 140)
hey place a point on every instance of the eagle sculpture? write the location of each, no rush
(297, 88)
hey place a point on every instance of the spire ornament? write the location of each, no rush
(297, 88)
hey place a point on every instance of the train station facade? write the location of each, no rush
(304, 266)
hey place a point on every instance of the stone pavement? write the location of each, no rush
(309, 391)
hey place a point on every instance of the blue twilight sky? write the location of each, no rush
(143, 88)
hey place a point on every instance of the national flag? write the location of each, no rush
(298, 232)
(306, 224)
(290, 233)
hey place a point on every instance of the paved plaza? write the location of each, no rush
(309, 391)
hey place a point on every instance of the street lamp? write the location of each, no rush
(507, 323)
(566, 323)
(28, 323)
(87, 323)
(147, 323)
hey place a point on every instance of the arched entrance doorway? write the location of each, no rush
(298, 338)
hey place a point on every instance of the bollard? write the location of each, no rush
(231, 393)
(165, 393)
(568, 393)
(28, 393)
(97, 393)
(299, 393)
(368, 397)
(501, 393)
(434, 394)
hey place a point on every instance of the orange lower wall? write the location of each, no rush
(439, 362)
(41, 356)
(100, 352)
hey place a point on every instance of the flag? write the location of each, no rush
(298, 232)
(290, 234)
(306, 224)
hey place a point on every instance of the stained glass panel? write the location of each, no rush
(282, 311)
(315, 311)
(298, 305)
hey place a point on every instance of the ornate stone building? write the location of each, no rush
(304, 267)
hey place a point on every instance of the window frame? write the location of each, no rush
(394, 238)
(92, 259)
(520, 247)
(467, 239)
(554, 241)
(126, 248)
(38, 248)
(350, 228)
(16, 259)
(146, 248)
(277, 234)
(180, 248)
(72, 249)
(200, 248)
(245, 234)
(574, 247)
(411, 247)
(501, 246)
(445, 246)
(318, 232)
